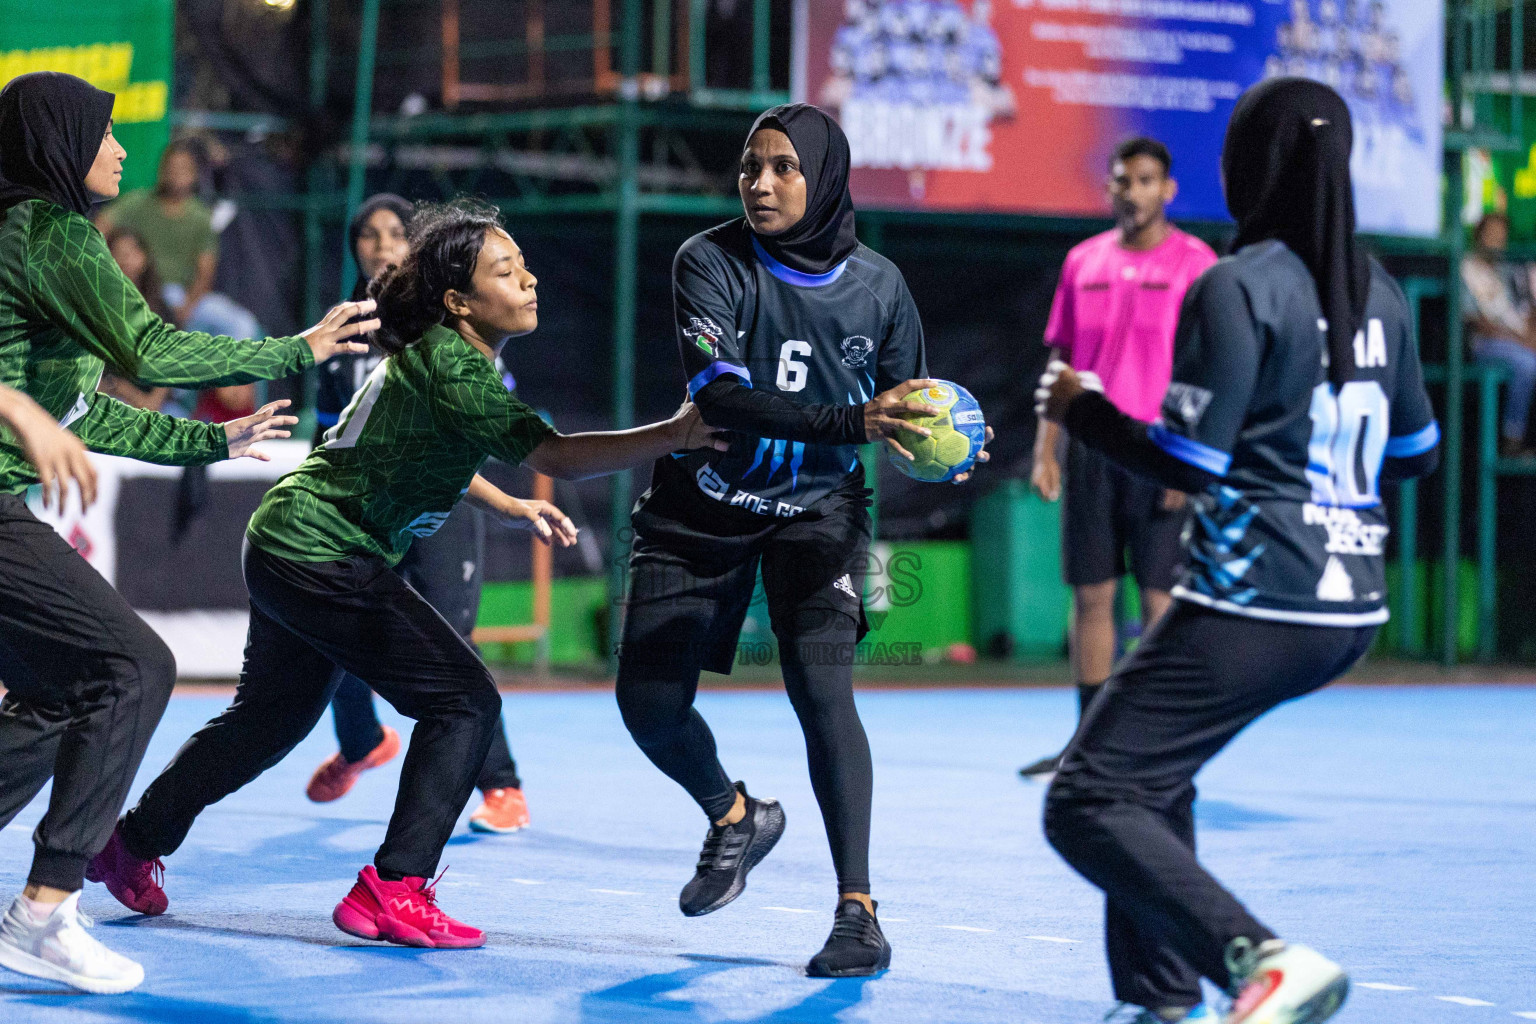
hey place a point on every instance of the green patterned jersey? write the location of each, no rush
(399, 457)
(66, 309)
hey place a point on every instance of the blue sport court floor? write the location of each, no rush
(1392, 827)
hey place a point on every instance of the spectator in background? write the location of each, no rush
(178, 232)
(1114, 316)
(132, 256)
(1496, 309)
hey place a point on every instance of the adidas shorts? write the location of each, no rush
(689, 591)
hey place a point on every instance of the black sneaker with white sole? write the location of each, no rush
(855, 949)
(730, 851)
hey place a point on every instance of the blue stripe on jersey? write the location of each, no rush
(714, 370)
(1189, 450)
(789, 276)
(1409, 445)
(326, 419)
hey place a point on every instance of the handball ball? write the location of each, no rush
(958, 433)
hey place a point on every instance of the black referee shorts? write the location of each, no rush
(689, 591)
(1107, 511)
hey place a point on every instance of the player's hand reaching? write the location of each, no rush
(981, 456)
(1059, 385)
(544, 520)
(262, 425)
(692, 432)
(890, 411)
(329, 337)
(56, 454)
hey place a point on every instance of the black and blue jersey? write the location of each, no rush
(1294, 529)
(832, 339)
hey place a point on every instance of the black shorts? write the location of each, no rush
(689, 590)
(1106, 510)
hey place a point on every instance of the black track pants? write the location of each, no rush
(1120, 808)
(307, 619)
(87, 682)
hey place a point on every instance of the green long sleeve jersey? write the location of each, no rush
(67, 310)
(402, 453)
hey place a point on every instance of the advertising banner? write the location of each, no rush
(122, 46)
(1016, 105)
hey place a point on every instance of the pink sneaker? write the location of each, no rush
(403, 912)
(136, 883)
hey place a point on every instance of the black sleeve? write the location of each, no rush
(903, 355)
(705, 297)
(1095, 421)
(1410, 467)
(728, 404)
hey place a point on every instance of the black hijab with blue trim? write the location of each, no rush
(824, 236)
(51, 126)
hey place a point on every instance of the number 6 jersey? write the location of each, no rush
(837, 338)
(1295, 530)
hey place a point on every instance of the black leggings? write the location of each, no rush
(682, 607)
(307, 619)
(448, 569)
(1120, 809)
(87, 681)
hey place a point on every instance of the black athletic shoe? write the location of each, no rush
(855, 949)
(1044, 766)
(730, 851)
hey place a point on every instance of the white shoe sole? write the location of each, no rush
(476, 825)
(25, 963)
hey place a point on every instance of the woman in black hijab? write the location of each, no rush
(803, 344)
(86, 679)
(1296, 389)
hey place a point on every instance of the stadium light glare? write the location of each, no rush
(279, 5)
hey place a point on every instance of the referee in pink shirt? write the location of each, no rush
(1114, 315)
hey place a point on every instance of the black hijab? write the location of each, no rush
(824, 237)
(402, 208)
(1285, 166)
(51, 126)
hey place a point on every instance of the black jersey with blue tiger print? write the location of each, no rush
(1294, 530)
(830, 339)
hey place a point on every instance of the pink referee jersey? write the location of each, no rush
(1116, 309)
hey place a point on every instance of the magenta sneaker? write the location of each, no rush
(136, 883)
(403, 912)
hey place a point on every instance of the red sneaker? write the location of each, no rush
(503, 811)
(403, 912)
(136, 883)
(333, 778)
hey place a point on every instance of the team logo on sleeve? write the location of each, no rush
(856, 351)
(704, 333)
(1184, 405)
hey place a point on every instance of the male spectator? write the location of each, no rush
(1114, 315)
(1496, 309)
(177, 229)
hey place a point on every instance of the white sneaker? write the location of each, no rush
(61, 949)
(1281, 983)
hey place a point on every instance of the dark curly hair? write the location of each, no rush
(445, 243)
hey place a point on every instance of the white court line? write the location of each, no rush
(1382, 986)
(617, 892)
(966, 928)
(1527, 1014)
(1464, 1001)
(527, 881)
(895, 920)
(1053, 938)
(790, 910)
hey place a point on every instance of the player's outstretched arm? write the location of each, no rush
(543, 519)
(75, 284)
(579, 456)
(56, 454)
(113, 428)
